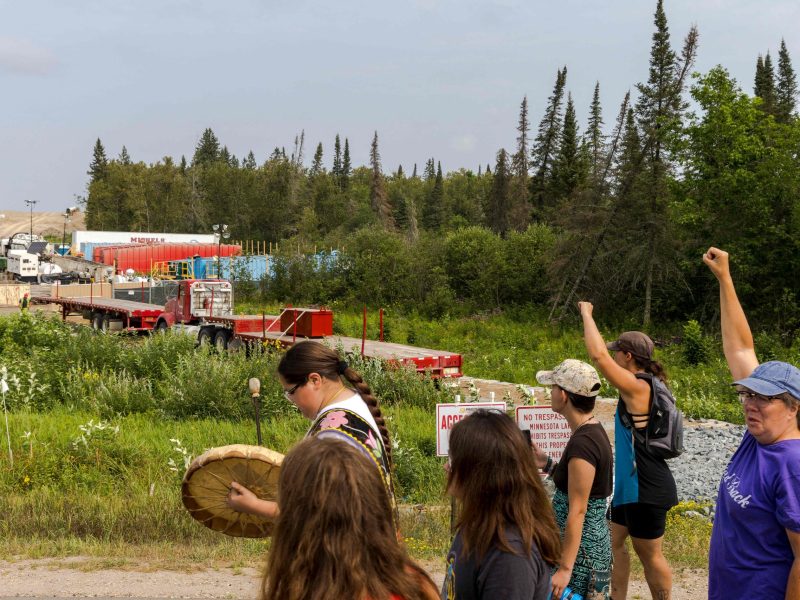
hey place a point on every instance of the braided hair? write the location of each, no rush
(308, 357)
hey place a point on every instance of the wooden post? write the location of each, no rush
(364, 331)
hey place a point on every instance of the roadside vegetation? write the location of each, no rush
(103, 426)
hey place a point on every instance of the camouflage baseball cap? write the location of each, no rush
(573, 376)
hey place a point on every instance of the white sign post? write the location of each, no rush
(549, 431)
(448, 415)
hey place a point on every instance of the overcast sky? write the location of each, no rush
(440, 78)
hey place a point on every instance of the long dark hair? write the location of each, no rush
(308, 357)
(494, 477)
(335, 538)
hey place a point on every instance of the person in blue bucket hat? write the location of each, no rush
(755, 541)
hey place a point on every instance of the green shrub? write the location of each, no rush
(696, 347)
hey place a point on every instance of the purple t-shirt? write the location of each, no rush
(758, 500)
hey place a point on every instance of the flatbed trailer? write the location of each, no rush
(208, 306)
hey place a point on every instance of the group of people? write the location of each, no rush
(337, 533)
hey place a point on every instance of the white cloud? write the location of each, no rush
(21, 56)
(464, 143)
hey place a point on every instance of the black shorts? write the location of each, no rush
(644, 521)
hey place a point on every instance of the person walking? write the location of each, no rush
(24, 302)
(314, 379)
(755, 540)
(644, 488)
(582, 480)
(506, 537)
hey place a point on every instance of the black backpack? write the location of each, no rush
(663, 436)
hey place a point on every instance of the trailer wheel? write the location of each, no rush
(105, 324)
(235, 345)
(97, 321)
(221, 340)
(205, 336)
(162, 326)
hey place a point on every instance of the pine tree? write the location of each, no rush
(430, 170)
(124, 157)
(521, 156)
(545, 146)
(400, 174)
(225, 155)
(497, 212)
(480, 167)
(249, 162)
(414, 172)
(207, 150)
(786, 88)
(183, 165)
(316, 166)
(98, 169)
(595, 141)
(347, 167)
(379, 200)
(336, 171)
(758, 81)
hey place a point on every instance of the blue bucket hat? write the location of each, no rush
(773, 378)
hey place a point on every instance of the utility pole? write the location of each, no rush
(31, 203)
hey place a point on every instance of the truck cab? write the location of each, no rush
(197, 299)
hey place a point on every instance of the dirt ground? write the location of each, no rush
(44, 223)
(68, 578)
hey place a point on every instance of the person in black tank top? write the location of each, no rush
(644, 488)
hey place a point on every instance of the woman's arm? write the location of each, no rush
(737, 340)
(630, 388)
(581, 477)
(243, 500)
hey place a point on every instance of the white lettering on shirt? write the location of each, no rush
(732, 482)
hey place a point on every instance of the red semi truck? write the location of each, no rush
(206, 305)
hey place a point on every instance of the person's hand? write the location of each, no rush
(717, 261)
(559, 581)
(585, 308)
(243, 500)
(539, 456)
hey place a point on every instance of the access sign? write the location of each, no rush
(448, 415)
(549, 431)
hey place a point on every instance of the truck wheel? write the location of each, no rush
(221, 340)
(205, 337)
(235, 345)
(97, 321)
(161, 326)
(105, 324)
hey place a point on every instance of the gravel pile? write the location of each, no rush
(709, 446)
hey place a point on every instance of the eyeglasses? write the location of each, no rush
(757, 399)
(290, 392)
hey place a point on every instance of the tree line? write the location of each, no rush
(622, 207)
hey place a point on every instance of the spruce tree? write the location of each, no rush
(347, 167)
(433, 212)
(316, 165)
(378, 197)
(545, 146)
(758, 80)
(400, 174)
(520, 181)
(336, 171)
(249, 162)
(498, 205)
(414, 172)
(595, 141)
(430, 170)
(124, 157)
(98, 169)
(766, 86)
(568, 170)
(183, 165)
(786, 88)
(225, 155)
(207, 149)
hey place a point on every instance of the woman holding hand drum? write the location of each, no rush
(582, 479)
(313, 378)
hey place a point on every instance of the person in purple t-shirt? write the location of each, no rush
(755, 542)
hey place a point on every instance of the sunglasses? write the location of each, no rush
(757, 399)
(290, 392)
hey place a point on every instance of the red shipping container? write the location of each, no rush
(142, 257)
(314, 322)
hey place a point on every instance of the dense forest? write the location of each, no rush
(617, 210)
